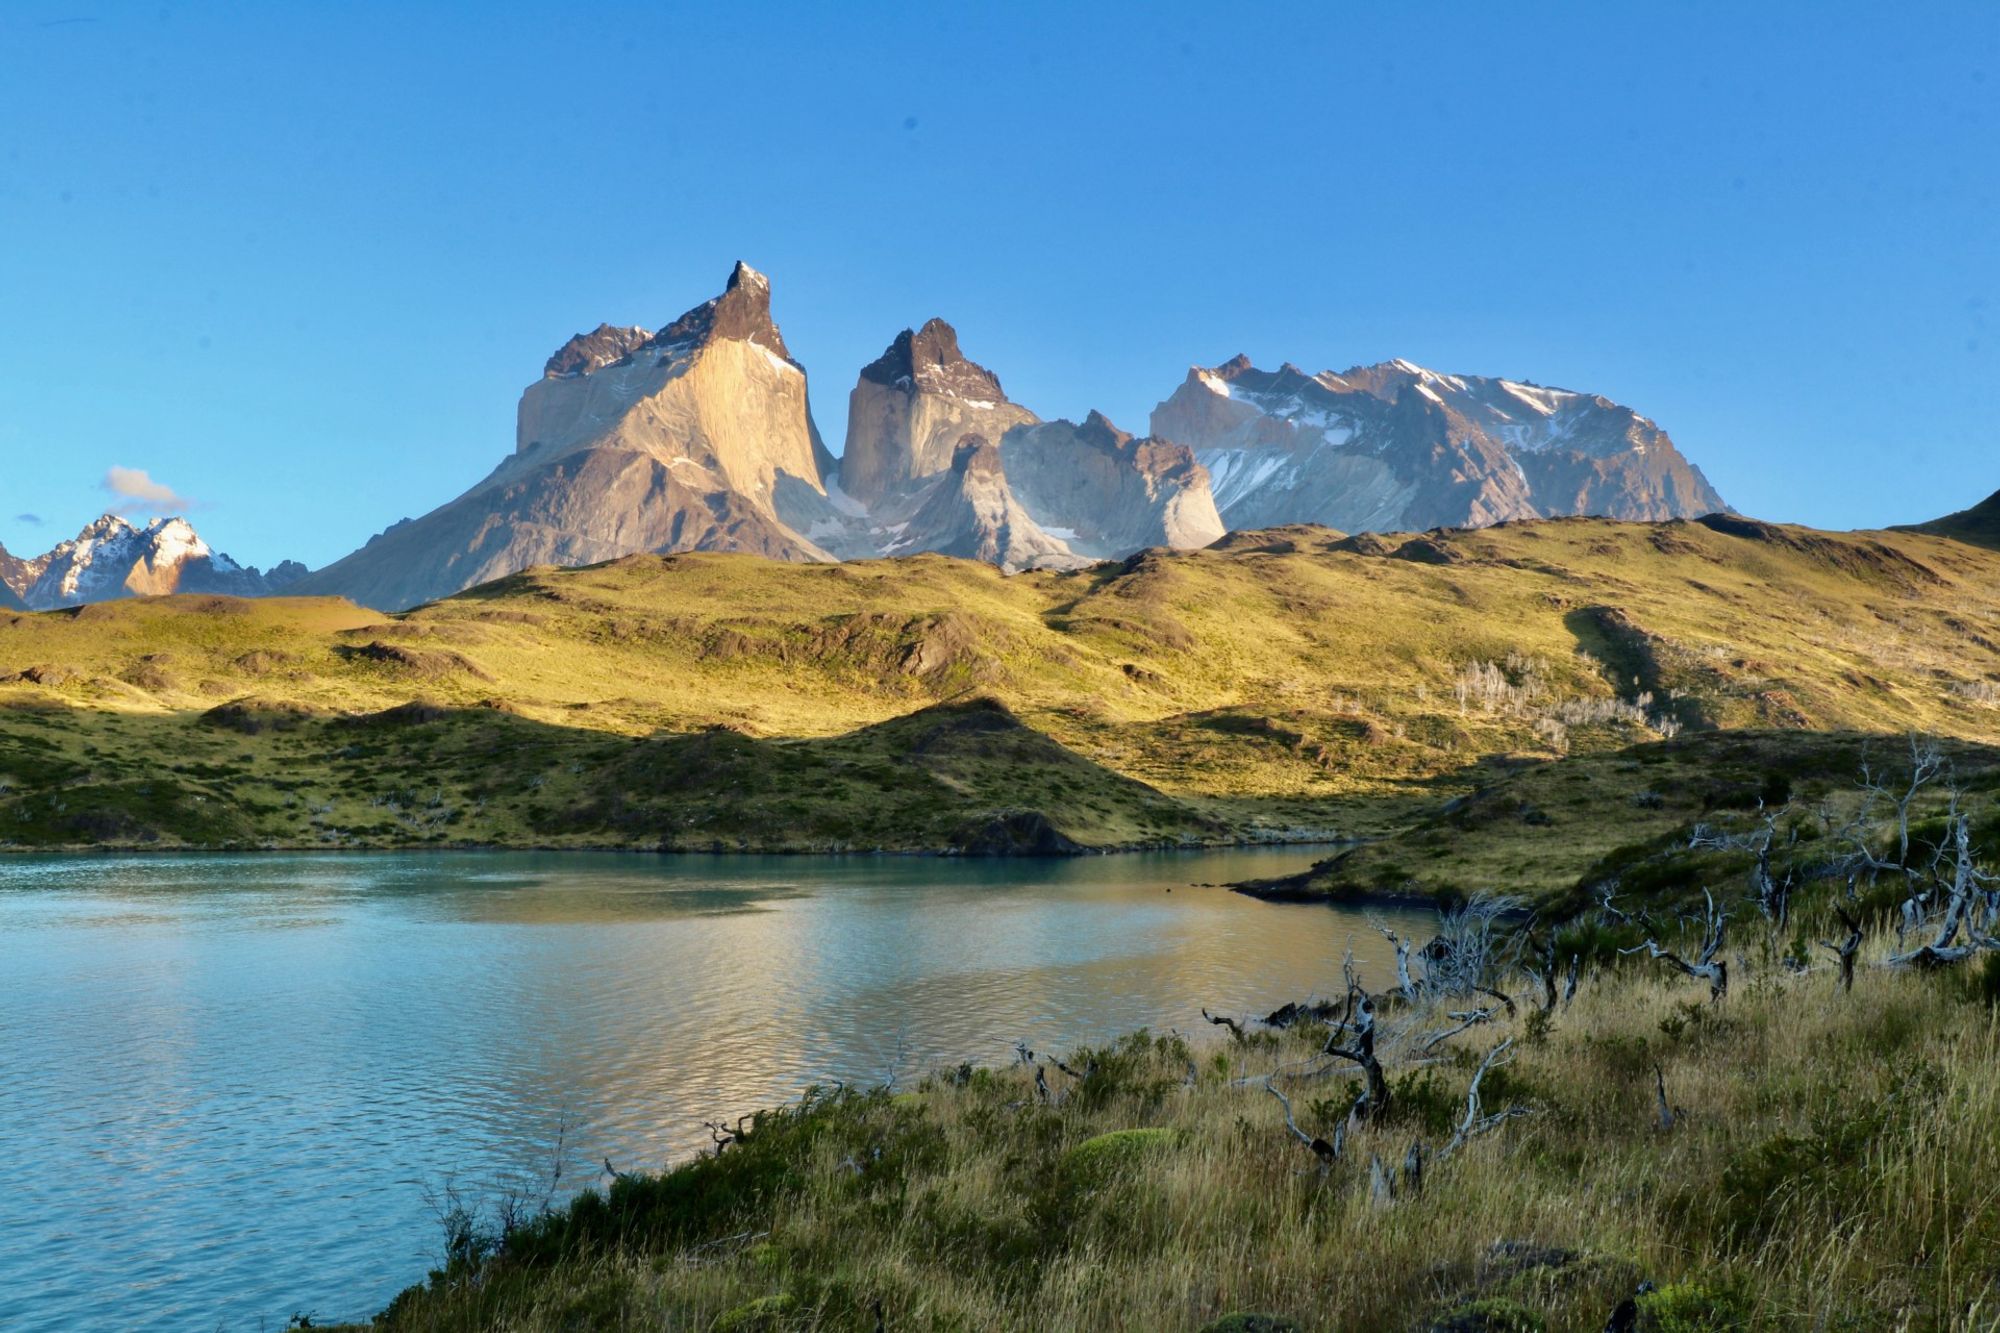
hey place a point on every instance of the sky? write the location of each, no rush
(286, 268)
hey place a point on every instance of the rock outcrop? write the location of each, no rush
(1397, 447)
(1107, 494)
(972, 512)
(631, 441)
(16, 575)
(911, 407)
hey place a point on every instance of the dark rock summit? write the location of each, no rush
(909, 409)
(602, 346)
(742, 313)
(929, 358)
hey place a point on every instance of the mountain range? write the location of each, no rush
(112, 558)
(700, 437)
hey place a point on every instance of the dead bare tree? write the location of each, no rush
(1381, 1186)
(1771, 892)
(1969, 908)
(1847, 948)
(1404, 982)
(1707, 966)
(1543, 971)
(1926, 764)
(1476, 1121)
(1374, 1100)
(1471, 948)
(1413, 1168)
(1774, 895)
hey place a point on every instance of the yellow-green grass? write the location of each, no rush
(1548, 828)
(1830, 1165)
(1286, 684)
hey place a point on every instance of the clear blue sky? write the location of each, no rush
(296, 262)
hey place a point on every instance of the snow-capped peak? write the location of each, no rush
(111, 558)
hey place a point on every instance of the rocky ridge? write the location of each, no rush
(1397, 447)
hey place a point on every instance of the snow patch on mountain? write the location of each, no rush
(111, 558)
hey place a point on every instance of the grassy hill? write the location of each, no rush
(1979, 525)
(1285, 684)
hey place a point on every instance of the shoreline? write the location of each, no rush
(627, 849)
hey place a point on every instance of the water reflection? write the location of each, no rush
(228, 1078)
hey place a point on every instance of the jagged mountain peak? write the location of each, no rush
(912, 405)
(742, 313)
(1396, 445)
(112, 558)
(604, 345)
(928, 360)
(698, 437)
(1099, 427)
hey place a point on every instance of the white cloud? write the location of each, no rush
(142, 492)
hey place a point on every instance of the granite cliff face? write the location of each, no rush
(111, 558)
(912, 406)
(631, 441)
(1086, 491)
(1107, 494)
(971, 511)
(1397, 447)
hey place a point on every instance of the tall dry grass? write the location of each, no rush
(1833, 1163)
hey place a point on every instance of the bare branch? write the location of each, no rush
(1706, 967)
(1466, 1019)
(1221, 1021)
(1474, 1124)
(1327, 1153)
(1667, 1116)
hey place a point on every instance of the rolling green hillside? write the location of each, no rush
(1286, 684)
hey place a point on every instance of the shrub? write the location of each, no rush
(1693, 1307)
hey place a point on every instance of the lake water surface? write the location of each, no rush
(228, 1083)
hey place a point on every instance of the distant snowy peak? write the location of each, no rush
(1396, 444)
(111, 558)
